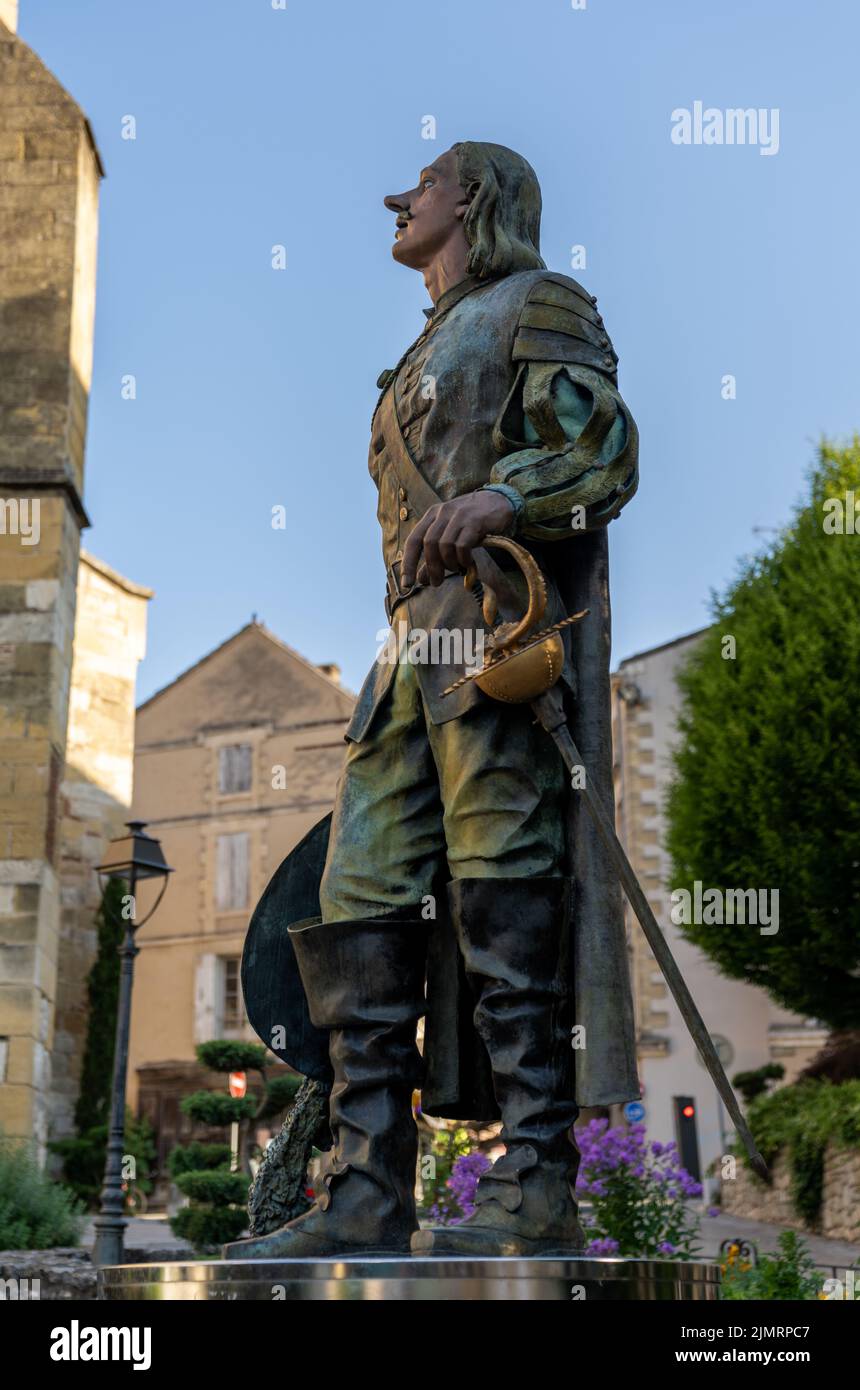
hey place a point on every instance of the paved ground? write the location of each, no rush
(142, 1232)
(716, 1229)
(145, 1232)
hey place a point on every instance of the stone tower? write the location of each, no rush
(49, 181)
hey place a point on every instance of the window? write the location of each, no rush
(232, 872)
(234, 769)
(232, 1010)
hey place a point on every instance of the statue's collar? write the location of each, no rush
(455, 294)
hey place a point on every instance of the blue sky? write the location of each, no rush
(258, 126)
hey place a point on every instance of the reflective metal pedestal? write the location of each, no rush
(374, 1280)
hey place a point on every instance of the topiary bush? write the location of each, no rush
(208, 1228)
(224, 1055)
(218, 1210)
(213, 1108)
(216, 1185)
(36, 1212)
(189, 1158)
(753, 1084)
(281, 1091)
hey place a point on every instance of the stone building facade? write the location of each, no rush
(748, 1028)
(63, 781)
(235, 761)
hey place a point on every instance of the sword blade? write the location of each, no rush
(550, 713)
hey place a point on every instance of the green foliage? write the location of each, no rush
(790, 1274)
(800, 1121)
(84, 1157)
(202, 1171)
(807, 1175)
(207, 1228)
(35, 1211)
(446, 1146)
(93, 1105)
(217, 1210)
(280, 1093)
(753, 1084)
(213, 1108)
(215, 1185)
(226, 1056)
(639, 1194)
(191, 1158)
(766, 790)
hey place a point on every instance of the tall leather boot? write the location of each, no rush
(513, 934)
(365, 982)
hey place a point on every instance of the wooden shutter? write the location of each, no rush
(232, 872)
(234, 768)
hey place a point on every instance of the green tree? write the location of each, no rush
(83, 1156)
(766, 792)
(93, 1105)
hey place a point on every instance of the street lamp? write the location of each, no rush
(132, 857)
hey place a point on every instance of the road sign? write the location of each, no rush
(634, 1111)
(238, 1084)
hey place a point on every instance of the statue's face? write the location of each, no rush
(429, 214)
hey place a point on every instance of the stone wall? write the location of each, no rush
(95, 796)
(49, 177)
(54, 1276)
(841, 1205)
(67, 1273)
(746, 1195)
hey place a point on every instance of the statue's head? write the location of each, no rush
(486, 195)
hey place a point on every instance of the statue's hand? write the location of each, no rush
(448, 533)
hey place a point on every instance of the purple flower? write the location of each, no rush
(463, 1182)
(603, 1246)
(637, 1190)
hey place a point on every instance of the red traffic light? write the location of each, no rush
(688, 1112)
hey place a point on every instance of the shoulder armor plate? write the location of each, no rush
(560, 323)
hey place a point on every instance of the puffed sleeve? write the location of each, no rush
(568, 442)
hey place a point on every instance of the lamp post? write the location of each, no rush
(134, 857)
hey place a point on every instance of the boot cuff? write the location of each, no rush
(355, 972)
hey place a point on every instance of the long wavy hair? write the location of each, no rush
(502, 225)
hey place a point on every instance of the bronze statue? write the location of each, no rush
(457, 855)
